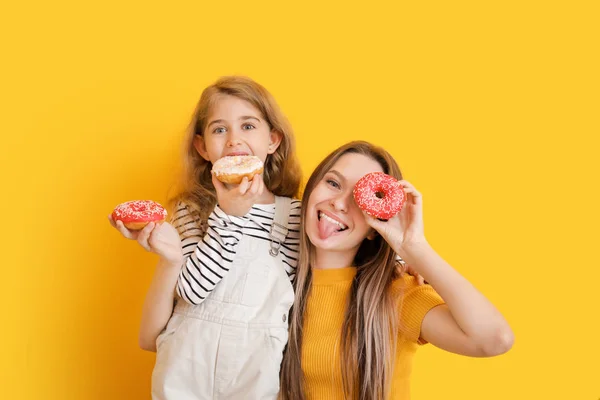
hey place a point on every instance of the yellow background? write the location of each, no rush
(491, 108)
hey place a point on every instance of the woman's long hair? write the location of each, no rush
(368, 337)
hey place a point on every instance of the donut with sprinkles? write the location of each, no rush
(232, 169)
(379, 195)
(136, 214)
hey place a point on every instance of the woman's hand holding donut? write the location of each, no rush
(406, 227)
(237, 200)
(162, 239)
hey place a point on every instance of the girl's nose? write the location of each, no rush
(233, 140)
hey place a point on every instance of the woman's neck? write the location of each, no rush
(325, 259)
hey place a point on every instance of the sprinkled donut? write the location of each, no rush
(379, 195)
(136, 214)
(232, 169)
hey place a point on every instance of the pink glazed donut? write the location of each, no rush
(379, 195)
(136, 214)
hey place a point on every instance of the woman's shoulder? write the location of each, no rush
(415, 302)
(407, 286)
(405, 282)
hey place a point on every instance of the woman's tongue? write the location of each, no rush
(327, 228)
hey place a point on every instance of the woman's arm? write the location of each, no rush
(468, 323)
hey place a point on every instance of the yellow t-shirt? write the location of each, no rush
(322, 331)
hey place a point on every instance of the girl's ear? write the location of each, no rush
(275, 139)
(200, 147)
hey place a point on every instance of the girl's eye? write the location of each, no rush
(333, 183)
(220, 130)
(248, 127)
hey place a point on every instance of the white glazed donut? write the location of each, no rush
(232, 169)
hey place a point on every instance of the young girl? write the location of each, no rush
(356, 322)
(228, 255)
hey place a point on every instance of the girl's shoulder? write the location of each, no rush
(181, 209)
(296, 206)
(185, 219)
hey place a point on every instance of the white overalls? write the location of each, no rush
(231, 345)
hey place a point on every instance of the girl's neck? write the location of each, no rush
(266, 198)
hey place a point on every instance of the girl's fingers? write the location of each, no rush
(144, 236)
(152, 236)
(261, 186)
(219, 187)
(244, 186)
(124, 231)
(254, 186)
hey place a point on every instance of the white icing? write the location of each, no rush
(234, 165)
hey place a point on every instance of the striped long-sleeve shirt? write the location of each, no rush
(209, 255)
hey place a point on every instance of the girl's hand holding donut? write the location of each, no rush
(143, 221)
(160, 238)
(238, 200)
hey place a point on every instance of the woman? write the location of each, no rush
(357, 322)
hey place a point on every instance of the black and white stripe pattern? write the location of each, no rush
(208, 256)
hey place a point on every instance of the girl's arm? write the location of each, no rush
(212, 257)
(210, 260)
(158, 305)
(161, 239)
(468, 323)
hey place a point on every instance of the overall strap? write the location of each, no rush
(279, 228)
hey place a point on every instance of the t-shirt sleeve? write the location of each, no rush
(416, 302)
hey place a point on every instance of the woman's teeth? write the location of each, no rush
(333, 221)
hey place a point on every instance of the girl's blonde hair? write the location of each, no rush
(282, 173)
(368, 337)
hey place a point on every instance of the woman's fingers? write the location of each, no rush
(408, 188)
(411, 193)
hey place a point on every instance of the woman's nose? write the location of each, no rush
(340, 203)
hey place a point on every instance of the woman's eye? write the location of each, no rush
(333, 183)
(248, 127)
(220, 130)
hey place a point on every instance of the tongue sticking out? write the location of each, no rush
(327, 228)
